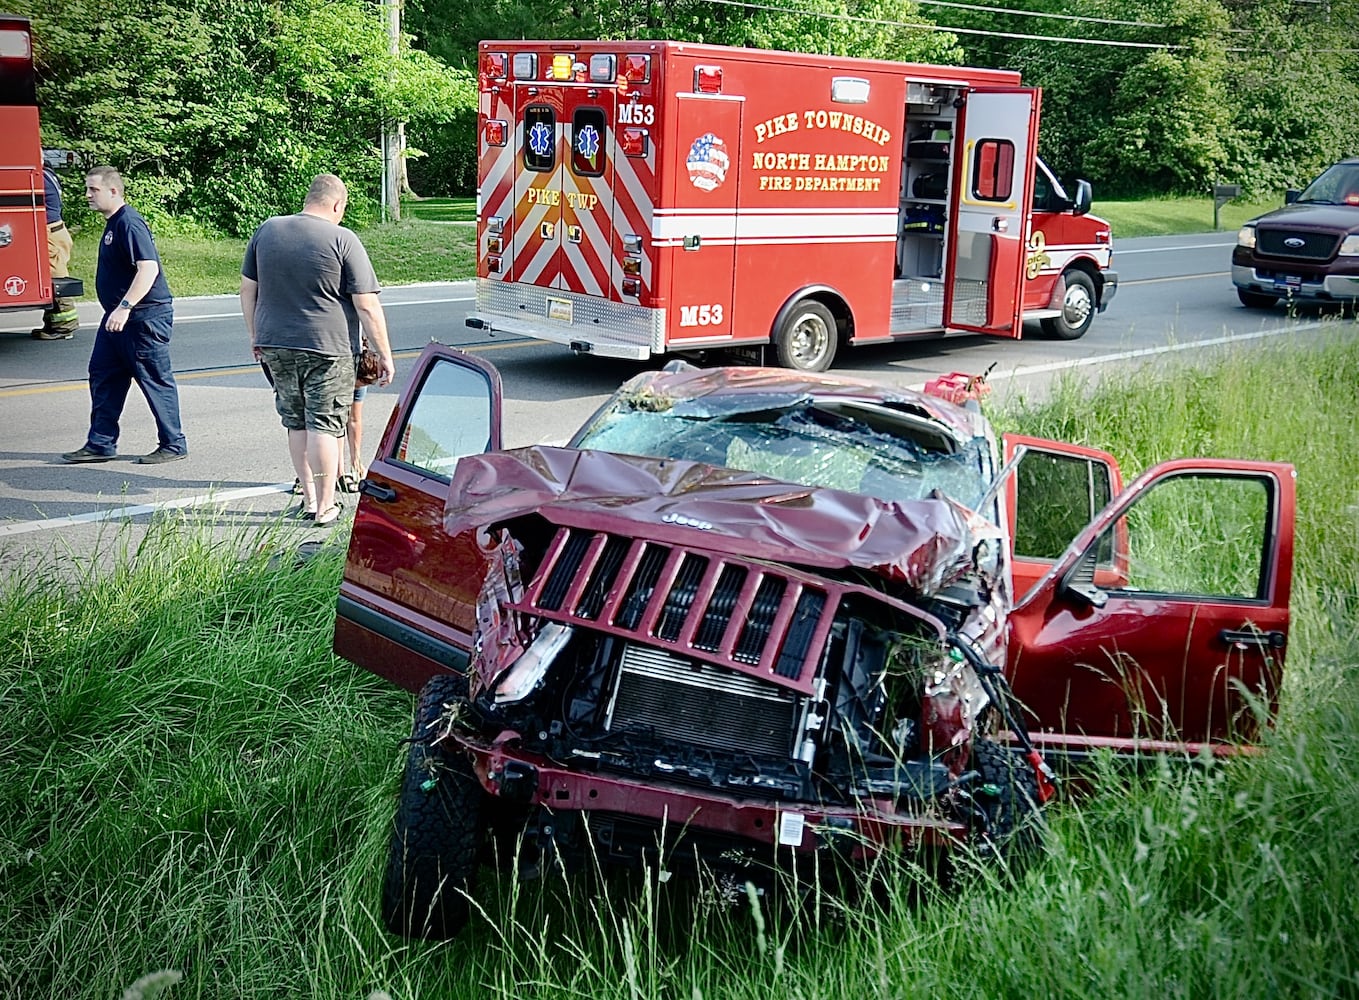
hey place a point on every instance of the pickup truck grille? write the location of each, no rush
(755, 618)
(1312, 246)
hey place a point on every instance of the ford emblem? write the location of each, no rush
(1294, 242)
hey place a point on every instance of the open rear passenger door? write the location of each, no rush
(1164, 624)
(406, 601)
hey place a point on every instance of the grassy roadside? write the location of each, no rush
(433, 243)
(196, 783)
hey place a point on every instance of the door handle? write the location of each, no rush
(380, 493)
(1252, 637)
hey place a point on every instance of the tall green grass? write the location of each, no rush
(192, 782)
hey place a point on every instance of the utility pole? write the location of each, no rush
(392, 131)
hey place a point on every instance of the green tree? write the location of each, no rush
(222, 113)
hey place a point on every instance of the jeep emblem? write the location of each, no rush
(1294, 242)
(687, 522)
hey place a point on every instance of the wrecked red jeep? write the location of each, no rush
(752, 618)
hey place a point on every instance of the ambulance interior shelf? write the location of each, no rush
(924, 196)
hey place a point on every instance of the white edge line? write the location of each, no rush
(1142, 352)
(125, 513)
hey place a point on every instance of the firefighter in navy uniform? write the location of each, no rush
(59, 320)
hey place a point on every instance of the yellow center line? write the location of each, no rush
(39, 390)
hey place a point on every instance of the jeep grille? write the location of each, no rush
(755, 618)
(1314, 246)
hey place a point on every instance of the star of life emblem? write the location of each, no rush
(587, 142)
(540, 139)
(707, 162)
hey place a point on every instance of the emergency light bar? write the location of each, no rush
(602, 67)
(493, 67)
(496, 132)
(636, 69)
(525, 66)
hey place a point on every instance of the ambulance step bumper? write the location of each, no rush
(588, 324)
(547, 331)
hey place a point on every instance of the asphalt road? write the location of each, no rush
(1175, 298)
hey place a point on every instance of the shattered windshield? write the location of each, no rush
(888, 453)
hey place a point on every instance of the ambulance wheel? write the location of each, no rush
(1255, 300)
(1078, 308)
(807, 338)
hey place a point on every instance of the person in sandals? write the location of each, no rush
(306, 285)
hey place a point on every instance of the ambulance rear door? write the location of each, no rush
(563, 237)
(993, 179)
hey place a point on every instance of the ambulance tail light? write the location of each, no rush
(632, 243)
(495, 224)
(496, 132)
(632, 286)
(495, 244)
(708, 80)
(492, 264)
(635, 142)
(632, 266)
(493, 66)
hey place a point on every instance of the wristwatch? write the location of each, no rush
(125, 304)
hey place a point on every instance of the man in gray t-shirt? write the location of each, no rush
(306, 285)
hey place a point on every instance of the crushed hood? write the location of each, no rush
(924, 544)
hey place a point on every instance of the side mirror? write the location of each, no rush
(1291, 195)
(1084, 197)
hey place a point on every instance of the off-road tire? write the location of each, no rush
(1007, 794)
(807, 338)
(1256, 300)
(1079, 305)
(437, 832)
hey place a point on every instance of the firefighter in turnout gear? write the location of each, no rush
(59, 320)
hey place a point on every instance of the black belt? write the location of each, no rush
(56, 227)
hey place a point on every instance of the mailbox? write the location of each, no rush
(1223, 193)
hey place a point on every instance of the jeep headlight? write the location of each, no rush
(1245, 237)
(1349, 246)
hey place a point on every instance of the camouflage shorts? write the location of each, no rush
(311, 392)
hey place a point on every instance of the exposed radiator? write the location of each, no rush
(695, 703)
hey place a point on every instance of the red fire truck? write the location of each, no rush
(26, 281)
(643, 198)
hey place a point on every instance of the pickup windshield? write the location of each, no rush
(889, 453)
(1337, 185)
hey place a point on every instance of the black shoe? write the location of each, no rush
(84, 454)
(42, 333)
(161, 456)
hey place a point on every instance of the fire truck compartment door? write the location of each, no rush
(993, 180)
(700, 224)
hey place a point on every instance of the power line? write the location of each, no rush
(921, 26)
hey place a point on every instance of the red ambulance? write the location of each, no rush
(26, 280)
(646, 198)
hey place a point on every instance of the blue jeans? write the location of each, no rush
(140, 352)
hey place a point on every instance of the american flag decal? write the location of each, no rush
(708, 162)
